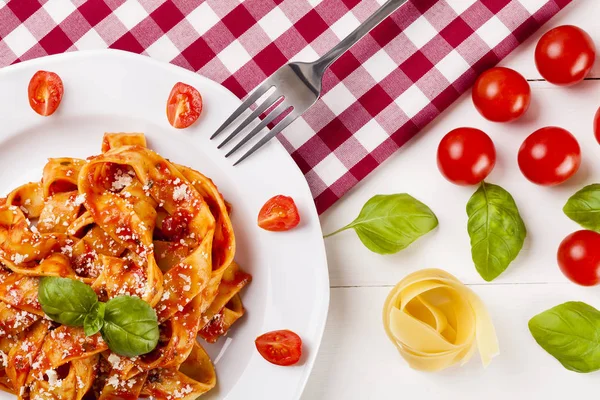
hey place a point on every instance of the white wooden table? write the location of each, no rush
(357, 361)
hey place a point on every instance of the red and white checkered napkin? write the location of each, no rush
(377, 96)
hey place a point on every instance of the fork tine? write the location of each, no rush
(259, 110)
(262, 89)
(278, 128)
(272, 115)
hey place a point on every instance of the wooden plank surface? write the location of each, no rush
(357, 361)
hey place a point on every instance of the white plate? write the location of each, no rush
(114, 91)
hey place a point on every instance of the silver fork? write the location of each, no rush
(297, 87)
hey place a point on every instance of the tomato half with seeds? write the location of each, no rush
(279, 214)
(565, 55)
(184, 105)
(579, 257)
(549, 156)
(501, 94)
(282, 348)
(45, 92)
(597, 125)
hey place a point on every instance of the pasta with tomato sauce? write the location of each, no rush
(125, 222)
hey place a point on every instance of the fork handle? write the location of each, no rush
(384, 11)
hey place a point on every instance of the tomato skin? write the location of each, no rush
(597, 125)
(501, 94)
(579, 257)
(282, 348)
(549, 156)
(279, 214)
(184, 105)
(466, 156)
(45, 92)
(565, 55)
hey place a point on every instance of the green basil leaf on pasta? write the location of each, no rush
(94, 320)
(388, 224)
(584, 207)
(496, 230)
(130, 326)
(66, 301)
(570, 332)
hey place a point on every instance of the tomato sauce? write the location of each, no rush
(61, 186)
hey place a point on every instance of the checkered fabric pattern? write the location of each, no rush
(376, 97)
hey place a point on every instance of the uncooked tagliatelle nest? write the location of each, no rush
(435, 321)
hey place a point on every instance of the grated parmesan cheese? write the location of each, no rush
(113, 381)
(79, 200)
(115, 361)
(18, 258)
(180, 192)
(121, 181)
(181, 393)
(53, 380)
(67, 250)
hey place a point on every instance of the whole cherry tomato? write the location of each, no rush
(501, 94)
(279, 214)
(579, 257)
(184, 105)
(597, 125)
(565, 55)
(549, 156)
(466, 156)
(280, 347)
(45, 92)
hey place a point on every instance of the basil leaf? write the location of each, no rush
(94, 320)
(570, 332)
(390, 223)
(65, 300)
(584, 207)
(130, 326)
(496, 230)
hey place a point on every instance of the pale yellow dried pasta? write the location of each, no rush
(435, 321)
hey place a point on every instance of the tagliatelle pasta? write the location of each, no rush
(125, 222)
(435, 321)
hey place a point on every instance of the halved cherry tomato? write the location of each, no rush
(279, 214)
(184, 105)
(579, 257)
(501, 94)
(565, 55)
(466, 156)
(45, 92)
(280, 347)
(597, 125)
(549, 156)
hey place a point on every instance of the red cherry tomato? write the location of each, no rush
(549, 156)
(279, 214)
(280, 347)
(565, 55)
(501, 94)
(184, 105)
(45, 92)
(466, 156)
(597, 125)
(579, 257)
